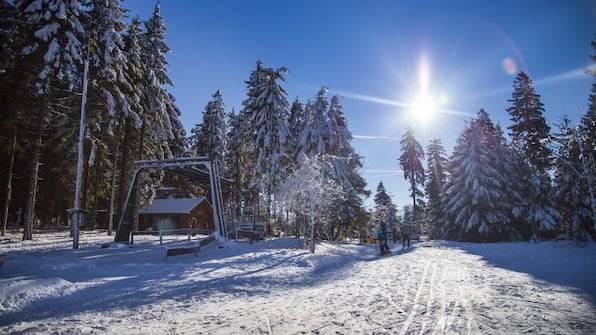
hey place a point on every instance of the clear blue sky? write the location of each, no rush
(372, 53)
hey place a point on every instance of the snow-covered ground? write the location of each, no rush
(276, 287)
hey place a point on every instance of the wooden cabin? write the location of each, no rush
(165, 214)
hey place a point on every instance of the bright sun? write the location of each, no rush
(425, 107)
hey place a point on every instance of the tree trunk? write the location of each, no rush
(140, 154)
(9, 184)
(85, 182)
(96, 182)
(113, 186)
(122, 185)
(268, 229)
(32, 195)
(141, 142)
(414, 198)
(312, 226)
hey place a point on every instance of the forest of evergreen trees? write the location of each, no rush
(534, 182)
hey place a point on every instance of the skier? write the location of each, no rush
(193, 225)
(406, 230)
(382, 235)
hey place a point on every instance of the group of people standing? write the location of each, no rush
(406, 231)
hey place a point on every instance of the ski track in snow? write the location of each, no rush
(274, 287)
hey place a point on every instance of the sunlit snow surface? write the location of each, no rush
(277, 287)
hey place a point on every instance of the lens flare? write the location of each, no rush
(509, 66)
(443, 99)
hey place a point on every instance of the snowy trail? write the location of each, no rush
(276, 288)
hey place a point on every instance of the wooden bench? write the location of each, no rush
(181, 250)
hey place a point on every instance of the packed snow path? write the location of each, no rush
(274, 287)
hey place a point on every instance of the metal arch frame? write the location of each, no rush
(185, 163)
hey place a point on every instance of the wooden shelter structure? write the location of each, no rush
(167, 214)
(200, 169)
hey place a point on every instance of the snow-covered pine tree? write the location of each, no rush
(570, 192)
(410, 161)
(575, 175)
(534, 214)
(264, 132)
(313, 140)
(345, 164)
(53, 58)
(156, 129)
(530, 137)
(236, 153)
(157, 132)
(127, 131)
(178, 145)
(385, 210)
(56, 32)
(337, 127)
(243, 131)
(529, 132)
(437, 177)
(475, 199)
(108, 101)
(212, 135)
(271, 141)
(296, 125)
(133, 72)
(107, 62)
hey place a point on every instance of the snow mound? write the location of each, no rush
(17, 293)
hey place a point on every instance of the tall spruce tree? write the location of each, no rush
(475, 197)
(156, 129)
(296, 124)
(271, 130)
(236, 150)
(410, 161)
(437, 177)
(575, 176)
(53, 58)
(127, 129)
(108, 99)
(529, 131)
(530, 137)
(344, 167)
(265, 122)
(570, 191)
(243, 138)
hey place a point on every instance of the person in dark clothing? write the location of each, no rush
(382, 235)
(406, 230)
